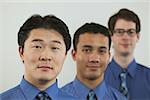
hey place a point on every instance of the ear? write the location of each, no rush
(138, 36)
(21, 53)
(111, 37)
(109, 55)
(112, 45)
(73, 53)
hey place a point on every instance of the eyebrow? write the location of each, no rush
(88, 46)
(103, 47)
(124, 29)
(39, 40)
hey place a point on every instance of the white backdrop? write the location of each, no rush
(75, 14)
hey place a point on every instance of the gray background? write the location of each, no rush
(75, 14)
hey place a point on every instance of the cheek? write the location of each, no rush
(81, 58)
(105, 60)
(60, 60)
(31, 57)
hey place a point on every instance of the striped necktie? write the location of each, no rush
(91, 95)
(43, 96)
(123, 85)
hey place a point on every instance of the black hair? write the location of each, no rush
(93, 28)
(47, 22)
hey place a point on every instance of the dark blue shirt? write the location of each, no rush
(138, 79)
(102, 91)
(26, 91)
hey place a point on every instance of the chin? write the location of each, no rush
(92, 77)
(44, 80)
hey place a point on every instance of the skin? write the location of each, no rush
(43, 54)
(124, 45)
(92, 56)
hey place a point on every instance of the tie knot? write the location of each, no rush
(42, 96)
(123, 74)
(91, 95)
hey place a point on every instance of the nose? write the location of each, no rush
(46, 55)
(94, 58)
(125, 35)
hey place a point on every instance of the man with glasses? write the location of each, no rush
(124, 73)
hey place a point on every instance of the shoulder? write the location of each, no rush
(143, 69)
(11, 93)
(68, 87)
(108, 72)
(116, 94)
(110, 65)
(65, 96)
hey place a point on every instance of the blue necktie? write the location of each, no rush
(123, 85)
(43, 96)
(91, 95)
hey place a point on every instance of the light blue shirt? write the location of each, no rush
(138, 79)
(26, 91)
(102, 91)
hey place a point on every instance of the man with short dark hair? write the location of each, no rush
(43, 45)
(124, 73)
(91, 52)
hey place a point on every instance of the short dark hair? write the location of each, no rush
(47, 22)
(93, 28)
(124, 14)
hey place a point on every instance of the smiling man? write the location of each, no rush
(43, 45)
(91, 52)
(124, 73)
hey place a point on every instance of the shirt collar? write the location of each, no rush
(82, 90)
(132, 68)
(31, 91)
(116, 69)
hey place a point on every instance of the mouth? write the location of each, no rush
(93, 66)
(125, 45)
(45, 67)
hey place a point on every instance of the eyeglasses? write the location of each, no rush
(121, 32)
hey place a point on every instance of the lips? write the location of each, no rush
(93, 66)
(45, 66)
(125, 45)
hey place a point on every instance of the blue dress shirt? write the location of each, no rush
(102, 91)
(138, 79)
(26, 91)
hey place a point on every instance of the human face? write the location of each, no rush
(124, 44)
(43, 54)
(91, 56)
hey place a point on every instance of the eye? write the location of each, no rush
(131, 32)
(120, 31)
(102, 51)
(55, 49)
(37, 47)
(86, 50)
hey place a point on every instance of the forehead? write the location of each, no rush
(124, 24)
(45, 35)
(93, 39)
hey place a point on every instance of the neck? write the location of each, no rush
(40, 84)
(91, 83)
(123, 61)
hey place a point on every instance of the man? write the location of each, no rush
(43, 45)
(124, 73)
(91, 52)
